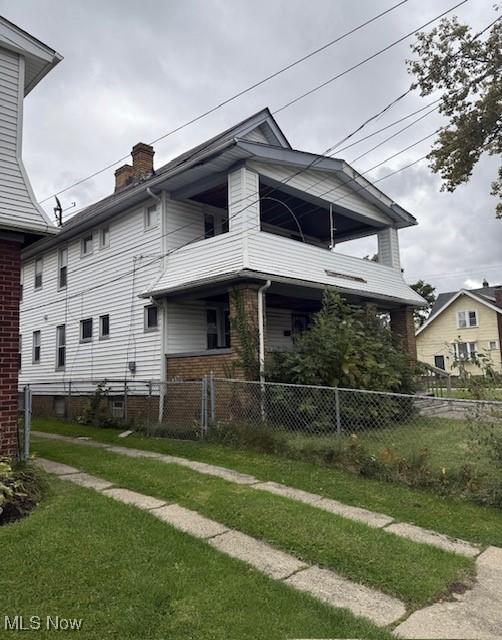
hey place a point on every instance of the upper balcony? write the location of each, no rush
(290, 237)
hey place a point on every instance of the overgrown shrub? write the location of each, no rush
(97, 412)
(21, 489)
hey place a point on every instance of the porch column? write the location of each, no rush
(402, 326)
(244, 335)
(388, 248)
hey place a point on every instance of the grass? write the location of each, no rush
(130, 576)
(413, 572)
(453, 517)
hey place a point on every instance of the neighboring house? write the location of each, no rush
(143, 284)
(462, 324)
(24, 61)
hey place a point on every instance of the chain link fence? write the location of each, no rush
(301, 415)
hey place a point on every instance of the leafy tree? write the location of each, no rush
(427, 292)
(346, 346)
(467, 70)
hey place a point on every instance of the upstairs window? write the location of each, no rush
(86, 245)
(209, 228)
(151, 318)
(218, 328)
(60, 346)
(86, 330)
(467, 319)
(39, 267)
(62, 268)
(36, 347)
(104, 237)
(152, 216)
(104, 327)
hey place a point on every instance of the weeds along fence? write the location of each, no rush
(297, 413)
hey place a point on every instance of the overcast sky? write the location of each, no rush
(134, 70)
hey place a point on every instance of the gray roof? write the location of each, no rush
(486, 293)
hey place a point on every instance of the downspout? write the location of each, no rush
(152, 195)
(261, 329)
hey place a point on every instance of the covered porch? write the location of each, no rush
(203, 325)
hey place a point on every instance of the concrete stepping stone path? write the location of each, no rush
(370, 518)
(321, 583)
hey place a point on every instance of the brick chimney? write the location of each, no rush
(142, 160)
(123, 177)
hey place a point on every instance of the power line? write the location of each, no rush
(237, 95)
(365, 60)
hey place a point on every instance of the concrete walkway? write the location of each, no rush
(322, 584)
(370, 518)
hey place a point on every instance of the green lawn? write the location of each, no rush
(413, 572)
(453, 517)
(129, 576)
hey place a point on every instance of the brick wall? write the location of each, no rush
(402, 326)
(10, 262)
(222, 365)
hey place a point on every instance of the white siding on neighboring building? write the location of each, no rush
(18, 208)
(186, 327)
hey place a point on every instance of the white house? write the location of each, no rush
(24, 61)
(141, 284)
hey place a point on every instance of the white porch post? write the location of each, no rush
(388, 248)
(244, 205)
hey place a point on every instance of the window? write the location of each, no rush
(209, 230)
(218, 328)
(104, 327)
(492, 345)
(299, 323)
(467, 319)
(36, 347)
(86, 330)
(439, 362)
(151, 216)
(62, 268)
(464, 350)
(39, 267)
(151, 318)
(86, 245)
(20, 352)
(104, 237)
(60, 346)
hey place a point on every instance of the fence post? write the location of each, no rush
(125, 401)
(212, 397)
(27, 422)
(337, 412)
(203, 407)
(149, 408)
(69, 413)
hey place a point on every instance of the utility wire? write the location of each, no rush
(239, 94)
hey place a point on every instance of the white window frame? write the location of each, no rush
(466, 318)
(39, 261)
(470, 349)
(494, 343)
(36, 343)
(103, 336)
(104, 243)
(221, 311)
(61, 252)
(82, 339)
(60, 345)
(84, 253)
(146, 328)
(147, 224)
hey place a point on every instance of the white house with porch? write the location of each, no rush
(142, 284)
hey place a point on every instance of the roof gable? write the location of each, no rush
(455, 296)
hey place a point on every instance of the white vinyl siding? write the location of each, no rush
(85, 298)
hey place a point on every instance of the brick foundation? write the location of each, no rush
(10, 264)
(402, 325)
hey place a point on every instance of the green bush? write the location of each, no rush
(21, 489)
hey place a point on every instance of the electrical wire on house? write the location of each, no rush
(297, 99)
